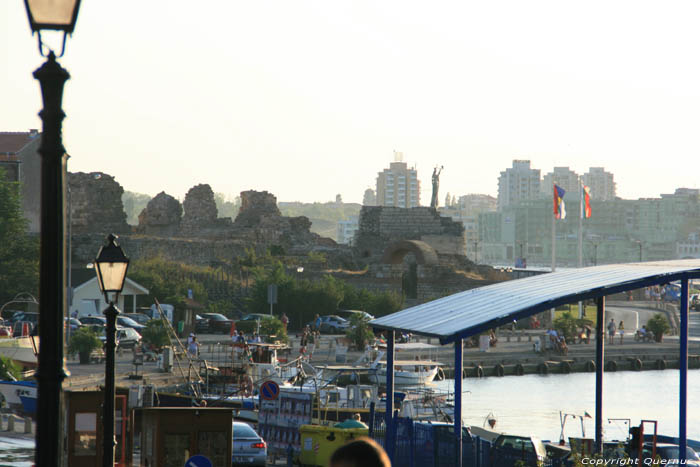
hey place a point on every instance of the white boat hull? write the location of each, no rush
(20, 349)
(404, 378)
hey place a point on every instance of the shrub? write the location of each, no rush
(9, 369)
(658, 324)
(273, 327)
(156, 334)
(83, 342)
(359, 332)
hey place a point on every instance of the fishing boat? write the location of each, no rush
(412, 371)
(22, 350)
(20, 396)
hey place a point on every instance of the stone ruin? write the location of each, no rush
(256, 207)
(260, 221)
(94, 202)
(201, 215)
(381, 226)
(194, 234)
(161, 216)
(414, 250)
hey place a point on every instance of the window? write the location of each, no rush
(85, 434)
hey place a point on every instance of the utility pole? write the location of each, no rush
(476, 252)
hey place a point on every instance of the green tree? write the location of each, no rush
(134, 203)
(9, 369)
(658, 324)
(156, 334)
(19, 252)
(225, 206)
(83, 342)
(359, 333)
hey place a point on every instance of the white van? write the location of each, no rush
(168, 310)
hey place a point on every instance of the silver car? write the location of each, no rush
(248, 447)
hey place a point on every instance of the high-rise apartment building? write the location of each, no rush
(398, 185)
(563, 177)
(518, 183)
(601, 183)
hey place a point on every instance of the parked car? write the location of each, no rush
(249, 448)
(126, 322)
(138, 317)
(94, 320)
(348, 314)
(509, 449)
(74, 324)
(332, 324)
(215, 323)
(128, 338)
(255, 317)
(668, 453)
(20, 317)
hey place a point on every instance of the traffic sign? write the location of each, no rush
(198, 461)
(272, 294)
(269, 390)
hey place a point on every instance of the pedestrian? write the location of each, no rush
(362, 452)
(621, 330)
(304, 341)
(317, 323)
(611, 331)
(285, 321)
(193, 347)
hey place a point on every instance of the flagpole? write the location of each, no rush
(554, 240)
(580, 243)
(580, 224)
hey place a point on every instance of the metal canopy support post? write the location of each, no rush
(683, 366)
(389, 434)
(599, 363)
(459, 349)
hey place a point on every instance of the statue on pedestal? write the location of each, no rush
(436, 184)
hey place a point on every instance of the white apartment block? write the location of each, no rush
(398, 185)
(563, 177)
(347, 230)
(601, 183)
(518, 183)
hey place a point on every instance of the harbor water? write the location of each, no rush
(530, 405)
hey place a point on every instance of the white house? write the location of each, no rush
(88, 300)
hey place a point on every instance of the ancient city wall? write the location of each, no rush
(381, 225)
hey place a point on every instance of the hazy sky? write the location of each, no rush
(307, 99)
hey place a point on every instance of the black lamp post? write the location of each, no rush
(58, 15)
(111, 265)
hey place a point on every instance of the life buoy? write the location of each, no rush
(565, 367)
(519, 370)
(498, 370)
(479, 372)
(637, 364)
(590, 365)
(611, 365)
(543, 368)
(660, 364)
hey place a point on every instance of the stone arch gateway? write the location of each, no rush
(396, 251)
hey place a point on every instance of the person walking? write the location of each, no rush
(621, 330)
(193, 347)
(285, 321)
(611, 331)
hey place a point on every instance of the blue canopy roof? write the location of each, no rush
(471, 312)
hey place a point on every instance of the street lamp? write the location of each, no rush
(59, 15)
(111, 265)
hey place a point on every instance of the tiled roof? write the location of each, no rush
(13, 142)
